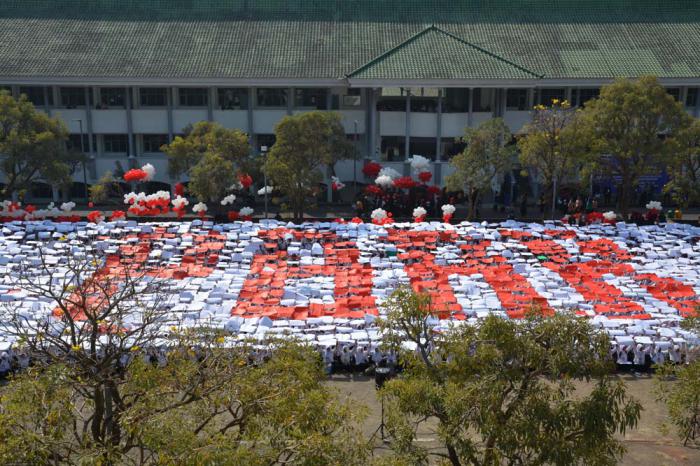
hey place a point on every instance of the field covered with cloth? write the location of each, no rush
(325, 282)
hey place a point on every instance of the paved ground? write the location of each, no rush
(646, 446)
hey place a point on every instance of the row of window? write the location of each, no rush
(457, 100)
(454, 100)
(117, 143)
(226, 98)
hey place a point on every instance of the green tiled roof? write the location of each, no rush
(329, 39)
(436, 54)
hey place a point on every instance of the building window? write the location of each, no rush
(272, 97)
(483, 100)
(423, 146)
(194, 96)
(691, 98)
(352, 98)
(116, 143)
(391, 104)
(455, 101)
(35, 94)
(153, 96)
(393, 148)
(516, 100)
(550, 94)
(73, 142)
(451, 147)
(233, 98)
(72, 97)
(424, 100)
(265, 140)
(675, 92)
(153, 142)
(314, 98)
(581, 96)
(112, 97)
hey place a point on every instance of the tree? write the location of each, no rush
(210, 155)
(684, 185)
(679, 387)
(305, 144)
(552, 145)
(107, 189)
(32, 145)
(487, 157)
(630, 129)
(502, 391)
(101, 391)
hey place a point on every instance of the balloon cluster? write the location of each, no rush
(419, 214)
(448, 211)
(143, 204)
(381, 217)
(145, 173)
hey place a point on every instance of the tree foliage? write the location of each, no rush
(305, 144)
(209, 146)
(678, 386)
(488, 156)
(630, 129)
(32, 145)
(684, 184)
(501, 391)
(98, 394)
(552, 144)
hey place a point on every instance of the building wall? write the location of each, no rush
(384, 126)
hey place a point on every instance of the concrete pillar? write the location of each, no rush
(171, 104)
(130, 121)
(211, 96)
(530, 98)
(470, 116)
(14, 90)
(251, 96)
(373, 127)
(47, 108)
(495, 95)
(407, 135)
(567, 94)
(56, 96)
(88, 117)
(290, 100)
(438, 128)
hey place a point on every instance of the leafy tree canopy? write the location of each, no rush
(488, 156)
(305, 144)
(630, 131)
(501, 391)
(100, 393)
(552, 144)
(32, 145)
(684, 184)
(209, 146)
